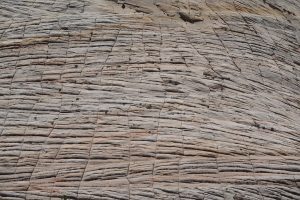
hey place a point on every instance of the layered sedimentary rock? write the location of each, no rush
(171, 99)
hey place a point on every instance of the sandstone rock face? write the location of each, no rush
(173, 99)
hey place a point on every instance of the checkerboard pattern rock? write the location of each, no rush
(101, 102)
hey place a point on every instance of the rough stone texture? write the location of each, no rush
(100, 102)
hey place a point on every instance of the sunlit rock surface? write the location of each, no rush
(174, 99)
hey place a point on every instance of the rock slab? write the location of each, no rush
(103, 102)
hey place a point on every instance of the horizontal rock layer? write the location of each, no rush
(101, 102)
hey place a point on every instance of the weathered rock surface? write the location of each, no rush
(100, 102)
